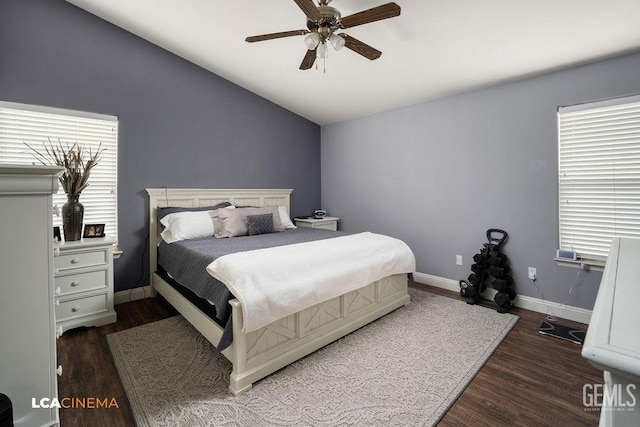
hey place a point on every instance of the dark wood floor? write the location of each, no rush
(530, 380)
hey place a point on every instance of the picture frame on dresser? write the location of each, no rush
(92, 231)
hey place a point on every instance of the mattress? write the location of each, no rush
(186, 263)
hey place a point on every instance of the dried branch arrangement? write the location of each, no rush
(77, 169)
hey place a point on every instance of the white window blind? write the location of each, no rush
(599, 175)
(22, 124)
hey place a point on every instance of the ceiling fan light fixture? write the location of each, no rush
(323, 21)
(312, 41)
(337, 42)
(322, 51)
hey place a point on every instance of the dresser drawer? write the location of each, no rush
(67, 261)
(325, 225)
(81, 307)
(81, 282)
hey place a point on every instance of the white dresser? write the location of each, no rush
(27, 338)
(613, 338)
(84, 283)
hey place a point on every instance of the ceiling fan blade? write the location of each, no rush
(361, 48)
(309, 8)
(379, 13)
(276, 35)
(308, 60)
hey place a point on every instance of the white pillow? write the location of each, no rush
(284, 218)
(186, 225)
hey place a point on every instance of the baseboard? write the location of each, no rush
(576, 314)
(133, 294)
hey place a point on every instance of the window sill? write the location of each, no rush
(594, 265)
(116, 252)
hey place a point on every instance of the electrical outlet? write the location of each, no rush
(533, 274)
(458, 259)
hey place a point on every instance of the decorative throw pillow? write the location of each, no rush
(233, 222)
(260, 224)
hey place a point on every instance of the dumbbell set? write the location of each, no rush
(490, 266)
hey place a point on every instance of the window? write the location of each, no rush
(598, 175)
(36, 125)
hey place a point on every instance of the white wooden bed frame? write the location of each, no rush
(256, 354)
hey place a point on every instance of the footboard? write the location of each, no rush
(259, 353)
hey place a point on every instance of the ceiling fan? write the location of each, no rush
(323, 21)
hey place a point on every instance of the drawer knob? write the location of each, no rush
(75, 261)
(74, 284)
(59, 370)
(58, 291)
(58, 332)
(75, 309)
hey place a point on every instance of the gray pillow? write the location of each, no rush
(162, 212)
(234, 222)
(260, 224)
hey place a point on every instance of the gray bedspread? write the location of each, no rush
(186, 262)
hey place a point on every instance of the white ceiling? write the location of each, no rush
(435, 48)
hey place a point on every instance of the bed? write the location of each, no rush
(258, 353)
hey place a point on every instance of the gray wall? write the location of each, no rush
(439, 174)
(180, 126)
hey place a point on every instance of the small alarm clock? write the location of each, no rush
(319, 213)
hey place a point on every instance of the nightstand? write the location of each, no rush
(326, 223)
(83, 283)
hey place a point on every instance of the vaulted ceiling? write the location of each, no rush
(435, 48)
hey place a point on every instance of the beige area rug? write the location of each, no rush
(406, 368)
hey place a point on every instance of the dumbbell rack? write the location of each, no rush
(490, 266)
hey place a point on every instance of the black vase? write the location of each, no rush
(72, 213)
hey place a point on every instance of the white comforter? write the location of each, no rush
(276, 282)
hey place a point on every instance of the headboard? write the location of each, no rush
(195, 197)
